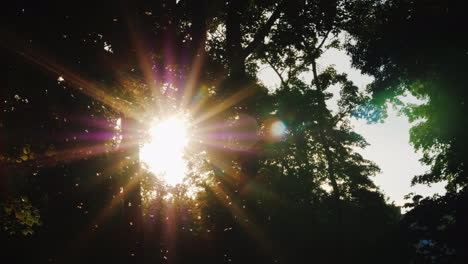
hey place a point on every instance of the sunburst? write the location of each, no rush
(163, 153)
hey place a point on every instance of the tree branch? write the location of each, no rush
(316, 80)
(317, 48)
(263, 31)
(323, 40)
(277, 72)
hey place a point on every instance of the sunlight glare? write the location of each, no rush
(163, 154)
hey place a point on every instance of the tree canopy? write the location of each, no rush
(273, 175)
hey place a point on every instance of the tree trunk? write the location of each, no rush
(324, 129)
(236, 61)
(198, 28)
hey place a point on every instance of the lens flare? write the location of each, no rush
(274, 130)
(278, 129)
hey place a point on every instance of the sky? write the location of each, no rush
(389, 142)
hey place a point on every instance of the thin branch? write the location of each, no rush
(323, 40)
(277, 72)
(263, 31)
(315, 49)
(339, 117)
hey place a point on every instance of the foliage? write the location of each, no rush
(412, 46)
(19, 216)
(435, 229)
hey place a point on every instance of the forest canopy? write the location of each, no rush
(139, 132)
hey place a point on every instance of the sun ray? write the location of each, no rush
(223, 196)
(226, 104)
(53, 158)
(193, 79)
(77, 82)
(144, 61)
(117, 199)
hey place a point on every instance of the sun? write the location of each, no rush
(163, 153)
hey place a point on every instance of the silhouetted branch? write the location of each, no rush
(277, 72)
(323, 40)
(263, 31)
